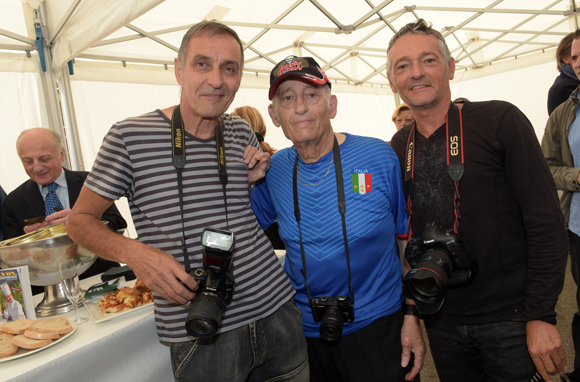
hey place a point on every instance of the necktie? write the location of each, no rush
(51, 200)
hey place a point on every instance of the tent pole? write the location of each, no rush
(49, 86)
(69, 115)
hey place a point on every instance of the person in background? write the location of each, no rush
(51, 191)
(326, 249)
(260, 337)
(567, 81)
(402, 116)
(561, 147)
(480, 172)
(256, 121)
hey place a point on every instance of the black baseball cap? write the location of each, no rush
(292, 66)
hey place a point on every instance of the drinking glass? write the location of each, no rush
(67, 272)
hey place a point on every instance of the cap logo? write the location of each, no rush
(292, 66)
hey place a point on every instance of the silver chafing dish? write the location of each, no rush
(41, 251)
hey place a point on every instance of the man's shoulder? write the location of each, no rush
(20, 190)
(153, 118)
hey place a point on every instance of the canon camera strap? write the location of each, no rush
(455, 162)
(178, 160)
(341, 209)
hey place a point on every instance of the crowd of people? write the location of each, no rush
(455, 222)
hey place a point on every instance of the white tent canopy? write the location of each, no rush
(124, 50)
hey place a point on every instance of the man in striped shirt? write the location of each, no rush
(261, 335)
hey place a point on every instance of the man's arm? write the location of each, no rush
(533, 189)
(157, 269)
(567, 178)
(411, 335)
(258, 163)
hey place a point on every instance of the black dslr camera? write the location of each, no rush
(215, 284)
(440, 260)
(331, 312)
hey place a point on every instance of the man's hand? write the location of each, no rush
(58, 217)
(546, 349)
(258, 163)
(412, 341)
(55, 218)
(35, 226)
(162, 273)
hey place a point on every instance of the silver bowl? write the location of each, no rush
(42, 257)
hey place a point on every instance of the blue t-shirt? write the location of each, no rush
(375, 212)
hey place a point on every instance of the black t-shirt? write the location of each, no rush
(510, 214)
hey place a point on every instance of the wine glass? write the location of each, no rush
(67, 272)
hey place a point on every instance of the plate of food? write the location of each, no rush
(24, 337)
(134, 297)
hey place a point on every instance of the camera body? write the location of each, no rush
(215, 284)
(332, 312)
(440, 260)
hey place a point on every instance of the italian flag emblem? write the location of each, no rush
(362, 181)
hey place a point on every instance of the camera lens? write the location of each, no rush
(205, 315)
(331, 324)
(427, 283)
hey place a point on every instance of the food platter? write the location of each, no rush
(25, 352)
(98, 316)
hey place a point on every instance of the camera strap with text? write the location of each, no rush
(341, 209)
(455, 163)
(178, 160)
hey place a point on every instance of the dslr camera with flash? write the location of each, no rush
(216, 284)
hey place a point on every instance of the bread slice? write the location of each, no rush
(58, 325)
(16, 327)
(29, 343)
(41, 336)
(6, 346)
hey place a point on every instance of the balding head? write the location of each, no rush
(42, 153)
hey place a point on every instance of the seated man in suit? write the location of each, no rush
(49, 192)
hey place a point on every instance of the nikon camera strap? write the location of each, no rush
(455, 162)
(341, 209)
(178, 160)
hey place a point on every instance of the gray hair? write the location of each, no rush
(419, 27)
(209, 29)
(58, 145)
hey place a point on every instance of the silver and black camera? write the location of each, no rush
(215, 284)
(332, 312)
(440, 260)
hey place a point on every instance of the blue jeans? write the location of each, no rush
(480, 353)
(270, 349)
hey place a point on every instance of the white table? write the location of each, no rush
(124, 349)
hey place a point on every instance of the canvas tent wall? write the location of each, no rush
(124, 52)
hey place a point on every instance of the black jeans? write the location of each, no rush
(480, 353)
(574, 242)
(372, 353)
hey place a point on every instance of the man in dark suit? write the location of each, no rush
(49, 192)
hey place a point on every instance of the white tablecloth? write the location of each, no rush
(123, 349)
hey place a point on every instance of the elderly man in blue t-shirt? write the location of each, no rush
(343, 262)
